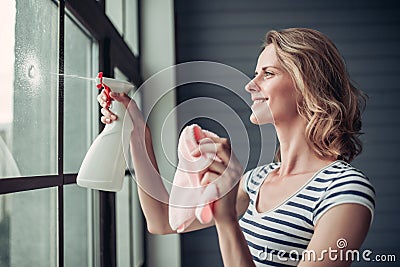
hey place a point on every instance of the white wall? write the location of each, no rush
(158, 53)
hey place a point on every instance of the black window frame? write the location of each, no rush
(113, 52)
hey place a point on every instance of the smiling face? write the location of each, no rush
(272, 91)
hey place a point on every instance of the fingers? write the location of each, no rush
(108, 116)
(217, 167)
(209, 177)
(105, 120)
(102, 99)
(120, 97)
(219, 146)
(226, 164)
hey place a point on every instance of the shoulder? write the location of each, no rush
(347, 184)
(346, 177)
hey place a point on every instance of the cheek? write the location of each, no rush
(284, 104)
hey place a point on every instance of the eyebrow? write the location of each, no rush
(266, 67)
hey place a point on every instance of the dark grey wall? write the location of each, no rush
(368, 35)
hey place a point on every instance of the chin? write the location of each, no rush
(254, 121)
(262, 121)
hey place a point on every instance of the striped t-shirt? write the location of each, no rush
(279, 236)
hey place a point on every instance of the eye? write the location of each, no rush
(267, 74)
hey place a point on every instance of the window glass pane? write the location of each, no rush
(80, 92)
(28, 102)
(79, 226)
(130, 226)
(114, 13)
(131, 31)
(28, 231)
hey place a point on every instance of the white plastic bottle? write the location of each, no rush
(104, 165)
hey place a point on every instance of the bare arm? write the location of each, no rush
(233, 245)
(342, 228)
(152, 194)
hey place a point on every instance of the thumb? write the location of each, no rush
(121, 97)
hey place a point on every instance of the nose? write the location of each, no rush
(251, 87)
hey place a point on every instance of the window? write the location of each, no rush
(47, 123)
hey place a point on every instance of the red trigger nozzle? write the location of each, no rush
(99, 80)
(107, 90)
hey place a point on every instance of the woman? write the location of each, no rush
(311, 206)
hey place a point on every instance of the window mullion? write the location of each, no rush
(60, 195)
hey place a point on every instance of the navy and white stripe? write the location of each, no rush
(289, 227)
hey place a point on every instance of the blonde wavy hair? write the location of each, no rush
(328, 101)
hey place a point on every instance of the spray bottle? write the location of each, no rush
(104, 165)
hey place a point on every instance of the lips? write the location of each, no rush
(259, 100)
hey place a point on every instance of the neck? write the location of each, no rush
(297, 156)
